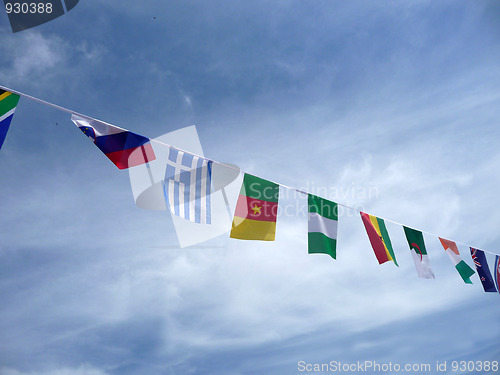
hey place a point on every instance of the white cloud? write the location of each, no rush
(91, 53)
(40, 60)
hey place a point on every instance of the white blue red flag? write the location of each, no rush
(187, 186)
(124, 148)
(482, 270)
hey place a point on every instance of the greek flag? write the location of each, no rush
(187, 186)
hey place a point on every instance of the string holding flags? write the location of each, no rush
(188, 186)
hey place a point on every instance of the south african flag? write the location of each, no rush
(8, 103)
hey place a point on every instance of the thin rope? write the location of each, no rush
(46, 103)
(219, 163)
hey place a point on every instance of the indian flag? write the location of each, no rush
(463, 268)
(322, 226)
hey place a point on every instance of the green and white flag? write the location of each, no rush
(322, 226)
(417, 247)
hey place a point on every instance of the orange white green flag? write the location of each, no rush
(256, 210)
(322, 226)
(379, 238)
(463, 268)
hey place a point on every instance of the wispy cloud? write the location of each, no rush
(31, 55)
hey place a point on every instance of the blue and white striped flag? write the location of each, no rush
(187, 186)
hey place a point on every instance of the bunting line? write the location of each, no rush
(41, 101)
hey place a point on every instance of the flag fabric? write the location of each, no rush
(463, 268)
(379, 238)
(497, 272)
(187, 186)
(256, 210)
(417, 247)
(124, 148)
(8, 104)
(322, 226)
(483, 270)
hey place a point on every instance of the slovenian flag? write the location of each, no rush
(8, 103)
(124, 148)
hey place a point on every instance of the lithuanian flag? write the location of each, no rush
(379, 238)
(256, 210)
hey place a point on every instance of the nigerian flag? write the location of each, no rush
(322, 226)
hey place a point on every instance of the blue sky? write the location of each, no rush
(399, 99)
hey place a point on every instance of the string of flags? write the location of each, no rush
(187, 187)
